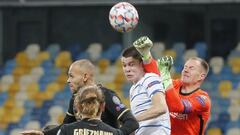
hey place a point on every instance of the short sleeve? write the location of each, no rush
(153, 84)
(114, 104)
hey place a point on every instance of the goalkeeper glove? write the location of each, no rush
(164, 66)
(143, 46)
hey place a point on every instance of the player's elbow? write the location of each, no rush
(160, 110)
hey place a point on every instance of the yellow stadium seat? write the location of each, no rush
(21, 59)
(32, 89)
(61, 80)
(13, 89)
(214, 131)
(63, 61)
(103, 65)
(9, 104)
(224, 88)
(18, 72)
(170, 52)
(38, 99)
(17, 114)
(234, 63)
(44, 55)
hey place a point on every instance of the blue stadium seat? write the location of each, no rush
(53, 50)
(9, 66)
(201, 48)
(113, 52)
(74, 49)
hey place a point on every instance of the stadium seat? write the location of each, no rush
(214, 131)
(113, 52)
(157, 49)
(234, 63)
(216, 64)
(95, 51)
(55, 111)
(234, 112)
(9, 66)
(22, 59)
(42, 56)
(63, 61)
(35, 125)
(61, 80)
(180, 49)
(74, 49)
(32, 50)
(189, 53)
(201, 48)
(5, 81)
(15, 131)
(233, 131)
(102, 65)
(53, 50)
(224, 88)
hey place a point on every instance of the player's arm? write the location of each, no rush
(69, 117)
(156, 93)
(161, 67)
(173, 100)
(199, 103)
(151, 67)
(128, 122)
(158, 107)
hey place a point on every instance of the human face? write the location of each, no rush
(133, 69)
(192, 72)
(75, 78)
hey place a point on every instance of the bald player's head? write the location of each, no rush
(81, 73)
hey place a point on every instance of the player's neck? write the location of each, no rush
(189, 88)
(91, 118)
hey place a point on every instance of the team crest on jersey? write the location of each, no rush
(118, 103)
(116, 100)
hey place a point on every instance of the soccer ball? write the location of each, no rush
(123, 17)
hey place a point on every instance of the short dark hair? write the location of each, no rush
(132, 52)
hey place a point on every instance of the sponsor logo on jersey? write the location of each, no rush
(179, 116)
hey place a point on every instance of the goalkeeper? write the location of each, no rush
(188, 104)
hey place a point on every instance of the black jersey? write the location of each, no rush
(88, 127)
(114, 111)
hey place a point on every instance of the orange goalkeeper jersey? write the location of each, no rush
(190, 112)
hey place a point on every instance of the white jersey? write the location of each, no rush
(140, 100)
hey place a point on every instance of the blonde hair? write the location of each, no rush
(89, 100)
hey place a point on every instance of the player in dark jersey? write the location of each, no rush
(90, 104)
(81, 73)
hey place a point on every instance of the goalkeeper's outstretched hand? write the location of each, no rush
(164, 66)
(144, 45)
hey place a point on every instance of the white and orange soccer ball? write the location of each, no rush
(123, 17)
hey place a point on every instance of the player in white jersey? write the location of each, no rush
(147, 96)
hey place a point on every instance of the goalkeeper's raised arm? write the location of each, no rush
(162, 66)
(143, 46)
